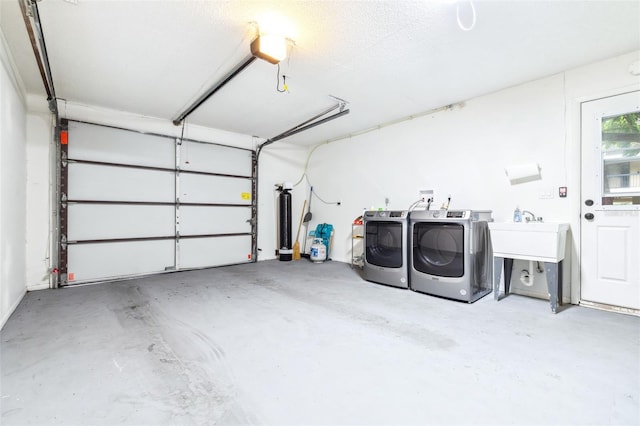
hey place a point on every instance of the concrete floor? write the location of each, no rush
(296, 343)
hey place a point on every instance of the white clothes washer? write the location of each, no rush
(385, 247)
(450, 253)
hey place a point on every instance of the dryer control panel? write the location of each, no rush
(457, 214)
(447, 214)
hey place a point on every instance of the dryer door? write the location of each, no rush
(383, 244)
(438, 248)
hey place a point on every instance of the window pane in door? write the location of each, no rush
(621, 159)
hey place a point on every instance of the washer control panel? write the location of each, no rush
(457, 214)
(402, 213)
(383, 214)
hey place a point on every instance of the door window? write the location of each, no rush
(620, 160)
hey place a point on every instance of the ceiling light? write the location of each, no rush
(271, 48)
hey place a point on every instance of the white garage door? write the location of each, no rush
(135, 204)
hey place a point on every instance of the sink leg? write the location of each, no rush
(508, 269)
(497, 272)
(560, 283)
(554, 284)
(498, 263)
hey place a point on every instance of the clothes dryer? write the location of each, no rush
(385, 247)
(450, 253)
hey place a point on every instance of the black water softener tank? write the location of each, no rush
(284, 224)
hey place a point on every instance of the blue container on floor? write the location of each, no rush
(324, 232)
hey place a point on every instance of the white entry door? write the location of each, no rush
(610, 224)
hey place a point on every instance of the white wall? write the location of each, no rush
(12, 187)
(141, 123)
(462, 152)
(39, 151)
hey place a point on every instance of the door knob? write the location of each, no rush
(589, 216)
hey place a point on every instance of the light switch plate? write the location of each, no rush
(562, 192)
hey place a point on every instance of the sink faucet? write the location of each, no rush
(532, 217)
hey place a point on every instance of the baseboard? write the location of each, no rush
(38, 287)
(13, 307)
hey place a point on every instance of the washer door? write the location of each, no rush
(383, 244)
(438, 248)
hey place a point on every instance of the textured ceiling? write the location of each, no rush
(388, 59)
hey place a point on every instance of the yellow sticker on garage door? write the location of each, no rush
(246, 195)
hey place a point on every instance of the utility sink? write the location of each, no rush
(541, 241)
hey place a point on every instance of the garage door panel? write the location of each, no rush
(128, 209)
(196, 188)
(215, 159)
(218, 251)
(107, 221)
(109, 145)
(106, 183)
(204, 220)
(90, 262)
